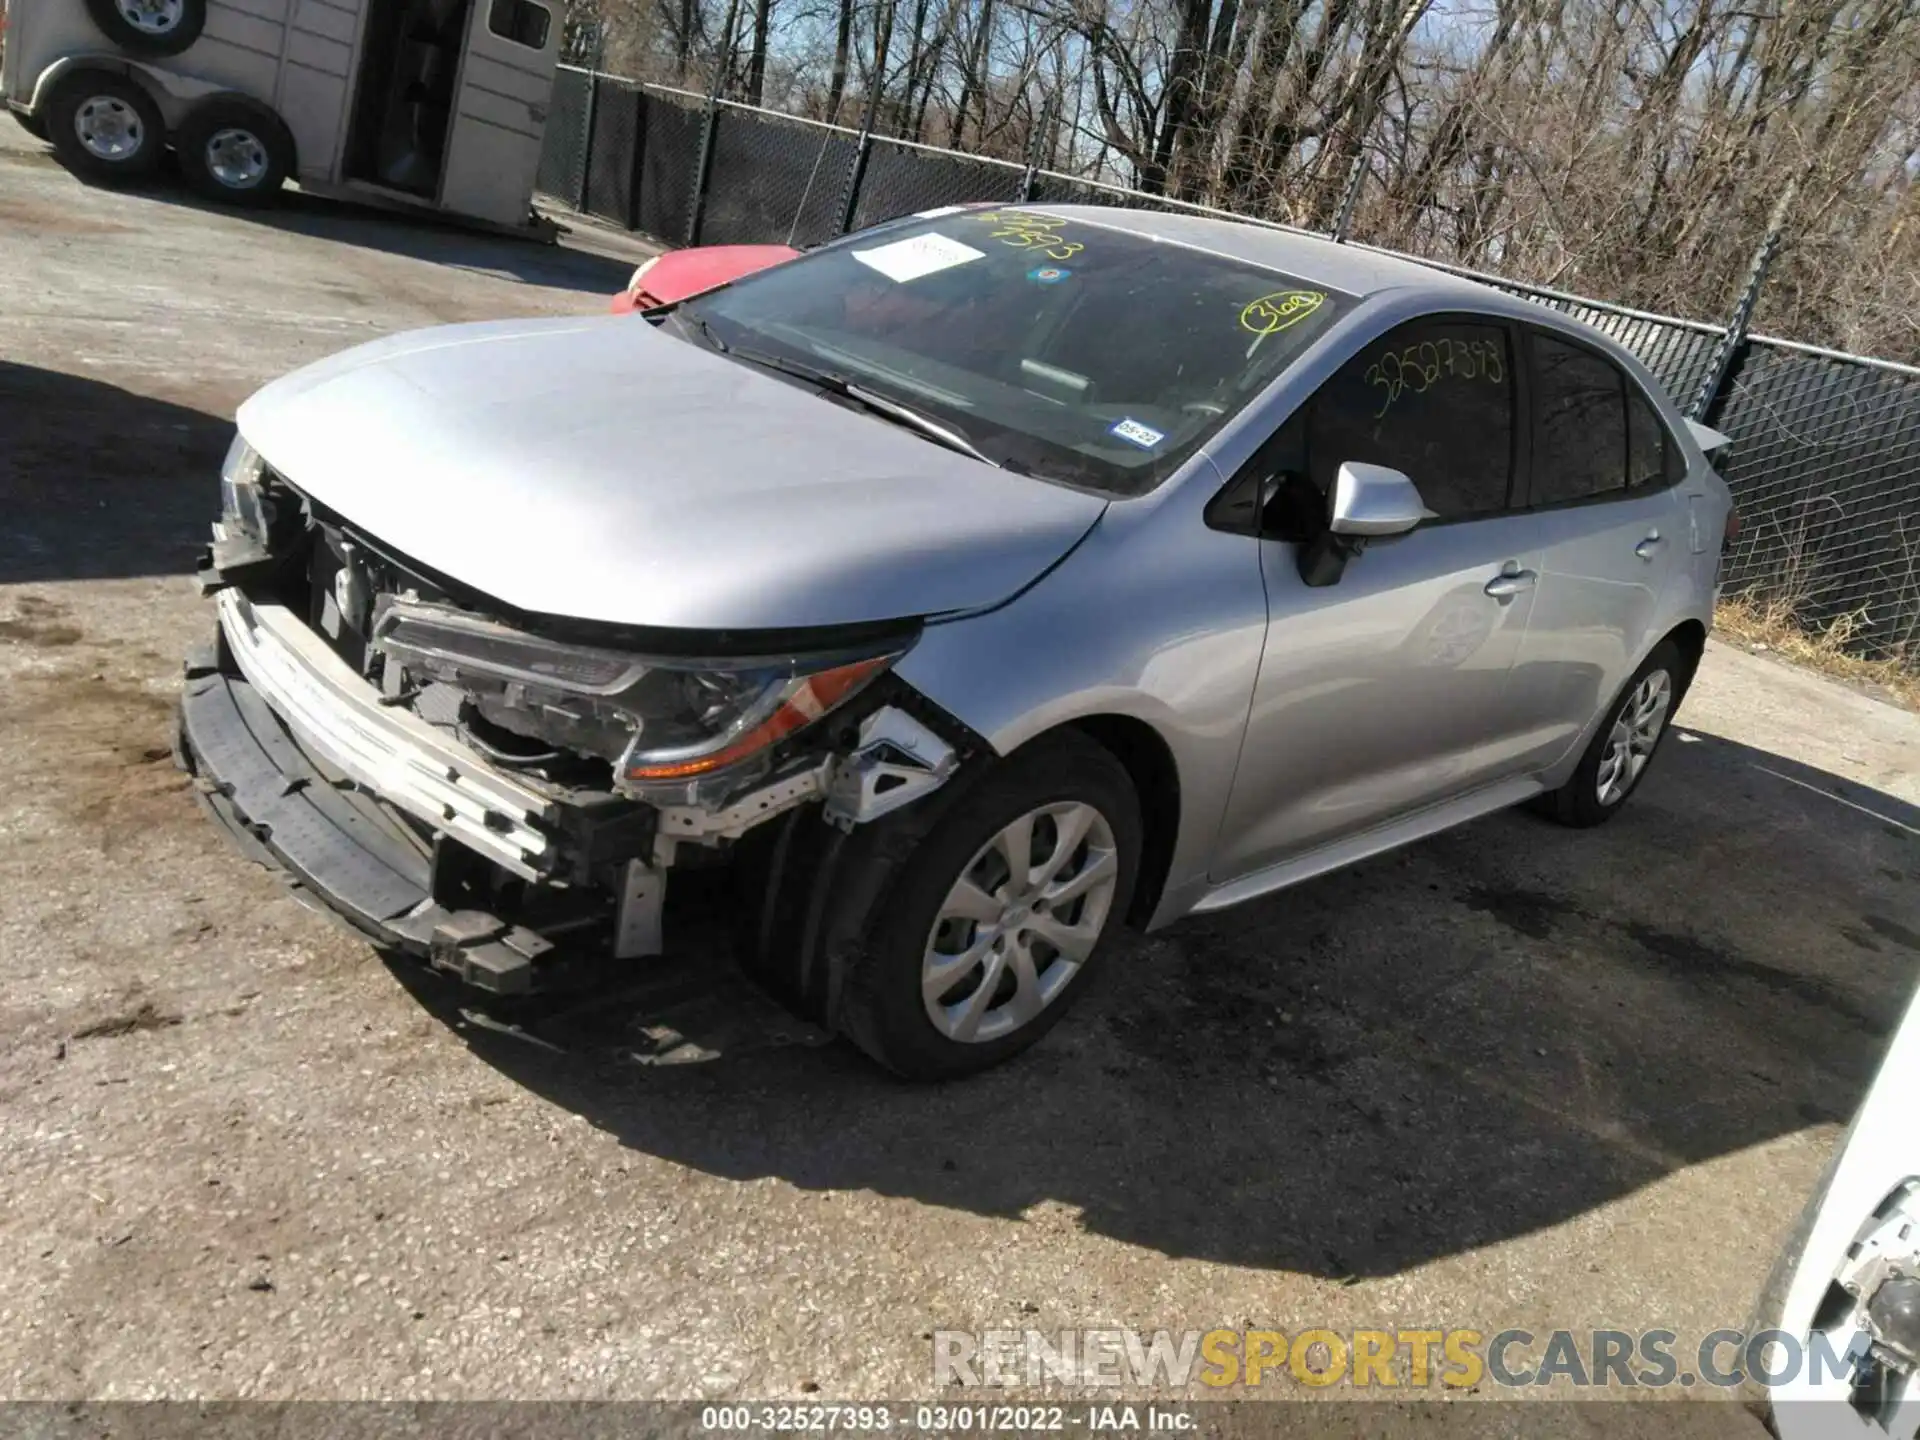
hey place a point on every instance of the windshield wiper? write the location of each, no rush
(841, 386)
(699, 323)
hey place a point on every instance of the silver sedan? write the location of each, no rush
(960, 592)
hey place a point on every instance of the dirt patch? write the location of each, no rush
(30, 159)
(114, 741)
(54, 222)
(144, 1017)
(47, 637)
(1773, 626)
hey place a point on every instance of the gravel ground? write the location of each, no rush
(1511, 1076)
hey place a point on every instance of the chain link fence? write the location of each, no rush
(563, 155)
(1825, 461)
(618, 131)
(901, 178)
(667, 165)
(1825, 466)
(775, 179)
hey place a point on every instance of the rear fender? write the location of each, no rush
(172, 91)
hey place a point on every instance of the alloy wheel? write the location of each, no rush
(1019, 922)
(1636, 730)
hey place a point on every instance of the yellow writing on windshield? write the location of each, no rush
(1272, 313)
(1031, 230)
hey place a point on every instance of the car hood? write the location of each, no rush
(601, 470)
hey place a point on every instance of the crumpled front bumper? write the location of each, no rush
(292, 753)
(384, 748)
(405, 831)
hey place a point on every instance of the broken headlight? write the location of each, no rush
(662, 722)
(245, 511)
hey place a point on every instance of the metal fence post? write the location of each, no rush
(586, 138)
(1731, 343)
(703, 170)
(1349, 197)
(1036, 144)
(637, 161)
(703, 167)
(857, 169)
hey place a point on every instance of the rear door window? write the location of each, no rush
(1653, 458)
(1581, 434)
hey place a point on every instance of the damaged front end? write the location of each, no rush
(502, 794)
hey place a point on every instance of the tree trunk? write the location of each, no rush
(842, 43)
(757, 62)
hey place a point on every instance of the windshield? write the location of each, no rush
(1055, 347)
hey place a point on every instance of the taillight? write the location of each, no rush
(1732, 532)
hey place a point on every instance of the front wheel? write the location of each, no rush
(1624, 746)
(995, 918)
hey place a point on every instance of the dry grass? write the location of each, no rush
(1760, 623)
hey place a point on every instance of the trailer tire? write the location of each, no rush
(234, 151)
(150, 27)
(105, 127)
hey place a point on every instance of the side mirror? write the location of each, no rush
(1372, 500)
(1369, 502)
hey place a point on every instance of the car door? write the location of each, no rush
(1603, 485)
(1383, 693)
(500, 109)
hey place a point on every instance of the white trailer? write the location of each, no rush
(430, 104)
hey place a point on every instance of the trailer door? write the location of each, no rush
(500, 110)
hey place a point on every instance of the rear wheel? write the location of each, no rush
(105, 127)
(1624, 746)
(235, 151)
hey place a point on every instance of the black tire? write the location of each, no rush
(150, 27)
(239, 139)
(98, 102)
(34, 125)
(890, 898)
(1578, 802)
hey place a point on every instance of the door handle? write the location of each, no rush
(1649, 547)
(1506, 586)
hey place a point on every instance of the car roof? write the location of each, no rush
(1356, 271)
(1352, 269)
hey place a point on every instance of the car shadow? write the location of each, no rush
(1482, 1035)
(101, 482)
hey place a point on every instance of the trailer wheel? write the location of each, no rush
(150, 27)
(104, 126)
(234, 150)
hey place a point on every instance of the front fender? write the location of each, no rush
(1153, 617)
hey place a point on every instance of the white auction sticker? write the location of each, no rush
(906, 260)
